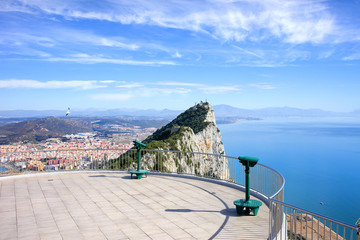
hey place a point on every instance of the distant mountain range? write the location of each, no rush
(38, 129)
(35, 126)
(165, 113)
(279, 112)
(221, 112)
(42, 129)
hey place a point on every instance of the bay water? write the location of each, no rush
(319, 158)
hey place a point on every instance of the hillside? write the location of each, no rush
(194, 130)
(194, 118)
(41, 129)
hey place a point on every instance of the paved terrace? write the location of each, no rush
(103, 205)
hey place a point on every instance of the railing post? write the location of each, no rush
(270, 218)
(358, 229)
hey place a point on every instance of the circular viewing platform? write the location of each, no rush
(112, 205)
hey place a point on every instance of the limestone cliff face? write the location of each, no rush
(194, 130)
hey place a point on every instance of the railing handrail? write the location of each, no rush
(70, 149)
(125, 149)
(148, 150)
(316, 214)
(281, 187)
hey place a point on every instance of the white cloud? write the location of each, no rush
(220, 89)
(209, 89)
(283, 56)
(264, 86)
(150, 89)
(19, 83)
(184, 84)
(87, 59)
(57, 36)
(66, 35)
(293, 21)
(168, 91)
(21, 38)
(139, 92)
(113, 43)
(14, 6)
(256, 29)
(326, 54)
(177, 55)
(151, 92)
(302, 26)
(25, 51)
(248, 52)
(107, 81)
(112, 97)
(130, 85)
(352, 57)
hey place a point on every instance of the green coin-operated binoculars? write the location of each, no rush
(138, 144)
(139, 173)
(247, 203)
(248, 162)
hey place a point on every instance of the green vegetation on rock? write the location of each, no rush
(193, 118)
(169, 143)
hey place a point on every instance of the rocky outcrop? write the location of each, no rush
(195, 142)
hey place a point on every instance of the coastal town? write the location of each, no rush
(73, 151)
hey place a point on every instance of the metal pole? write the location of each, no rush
(139, 155)
(247, 183)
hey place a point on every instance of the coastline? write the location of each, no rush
(305, 227)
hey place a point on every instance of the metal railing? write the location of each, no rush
(303, 224)
(264, 180)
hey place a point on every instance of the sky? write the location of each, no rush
(159, 54)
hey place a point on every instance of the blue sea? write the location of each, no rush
(319, 158)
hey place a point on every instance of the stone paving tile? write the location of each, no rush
(95, 235)
(8, 218)
(177, 233)
(151, 228)
(71, 235)
(49, 233)
(113, 206)
(197, 233)
(8, 234)
(132, 231)
(51, 237)
(160, 236)
(28, 234)
(183, 223)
